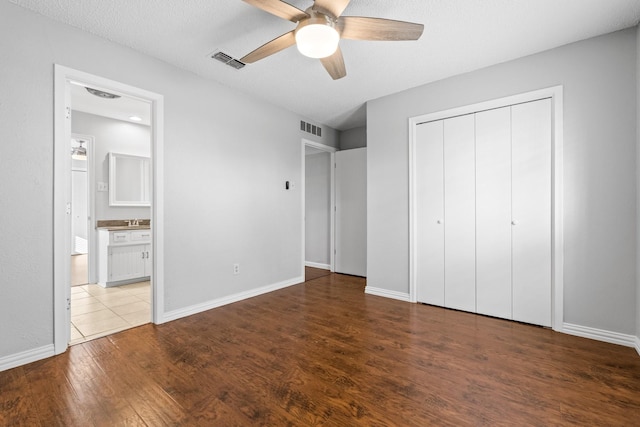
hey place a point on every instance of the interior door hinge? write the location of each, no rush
(68, 303)
(67, 113)
(68, 209)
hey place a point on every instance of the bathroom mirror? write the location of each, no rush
(129, 180)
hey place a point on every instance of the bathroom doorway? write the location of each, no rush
(84, 210)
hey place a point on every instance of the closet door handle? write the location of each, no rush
(143, 255)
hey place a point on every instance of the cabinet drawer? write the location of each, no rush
(120, 237)
(139, 235)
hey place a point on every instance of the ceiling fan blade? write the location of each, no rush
(334, 65)
(269, 48)
(364, 28)
(280, 9)
(334, 7)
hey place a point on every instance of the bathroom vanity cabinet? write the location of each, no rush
(124, 256)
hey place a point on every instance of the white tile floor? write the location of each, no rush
(98, 311)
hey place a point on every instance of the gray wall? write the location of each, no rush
(115, 136)
(353, 138)
(318, 205)
(599, 78)
(224, 194)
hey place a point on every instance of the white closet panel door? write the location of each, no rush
(351, 212)
(493, 212)
(459, 213)
(531, 151)
(429, 179)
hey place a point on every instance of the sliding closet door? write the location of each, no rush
(531, 157)
(430, 213)
(493, 212)
(459, 213)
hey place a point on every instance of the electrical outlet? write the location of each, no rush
(236, 268)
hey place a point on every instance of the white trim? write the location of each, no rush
(218, 302)
(61, 235)
(637, 346)
(317, 265)
(402, 296)
(24, 357)
(556, 94)
(332, 198)
(599, 335)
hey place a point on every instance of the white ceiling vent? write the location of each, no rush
(228, 60)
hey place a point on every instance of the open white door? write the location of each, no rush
(351, 212)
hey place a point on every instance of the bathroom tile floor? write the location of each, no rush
(98, 311)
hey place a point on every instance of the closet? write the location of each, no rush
(483, 212)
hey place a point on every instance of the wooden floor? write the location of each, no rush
(324, 353)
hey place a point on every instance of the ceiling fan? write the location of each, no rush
(320, 29)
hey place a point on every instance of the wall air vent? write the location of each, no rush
(309, 128)
(228, 60)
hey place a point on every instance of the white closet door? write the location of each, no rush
(493, 212)
(531, 157)
(459, 213)
(429, 179)
(351, 212)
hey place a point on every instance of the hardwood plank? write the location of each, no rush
(325, 353)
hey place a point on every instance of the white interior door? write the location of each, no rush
(459, 213)
(531, 157)
(493, 212)
(351, 212)
(429, 179)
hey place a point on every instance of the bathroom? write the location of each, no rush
(111, 256)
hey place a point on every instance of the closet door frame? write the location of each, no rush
(555, 93)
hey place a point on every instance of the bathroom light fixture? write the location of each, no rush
(79, 153)
(316, 37)
(101, 94)
(135, 118)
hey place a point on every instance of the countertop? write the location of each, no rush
(123, 224)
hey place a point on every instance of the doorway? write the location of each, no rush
(68, 226)
(81, 209)
(318, 207)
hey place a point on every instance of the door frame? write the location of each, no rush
(63, 76)
(91, 206)
(557, 234)
(332, 202)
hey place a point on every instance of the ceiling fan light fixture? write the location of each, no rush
(317, 37)
(79, 153)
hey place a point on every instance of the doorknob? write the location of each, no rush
(514, 222)
(439, 221)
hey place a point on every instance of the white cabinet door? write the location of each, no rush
(531, 157)
(126, 262)
(429, 181)
(351, 212)
(493, 212)
(459, 213)
(148, 265)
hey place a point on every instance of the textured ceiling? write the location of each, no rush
(459, 36)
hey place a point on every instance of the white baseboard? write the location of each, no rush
(317, 265)
(198, 308)
(638, 345)
(24, 357)
(387, 293)
(600, 335)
